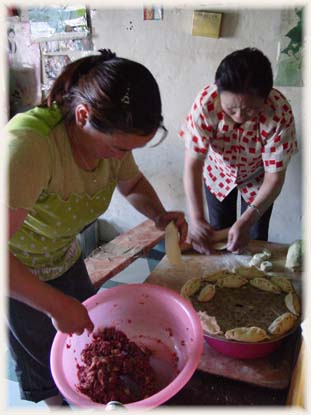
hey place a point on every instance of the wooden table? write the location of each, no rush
(265, 380)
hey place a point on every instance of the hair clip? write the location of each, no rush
(126, 97)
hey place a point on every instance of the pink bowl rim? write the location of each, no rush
(244, 351)
(180, 380)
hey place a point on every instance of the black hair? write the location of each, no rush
(121, 95)
(245, 71)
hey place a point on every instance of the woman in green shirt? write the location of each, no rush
(66, 157)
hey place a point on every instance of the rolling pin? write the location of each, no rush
(219, 236)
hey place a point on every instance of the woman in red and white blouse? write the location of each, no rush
(239, 136)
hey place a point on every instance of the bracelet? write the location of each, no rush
(256, 209)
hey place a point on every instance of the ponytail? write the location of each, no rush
(71, 75)
(120, 94)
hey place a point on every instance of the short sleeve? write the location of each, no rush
(128, 168)
(279, 136)
(28, 167)
(198, 128)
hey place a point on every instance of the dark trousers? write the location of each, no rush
(223, 214)
(31, 334)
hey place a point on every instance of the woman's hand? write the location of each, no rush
(71, 317)
(239, 236)
(200, 236)
(161, 221)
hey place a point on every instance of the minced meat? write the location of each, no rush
(115, 369)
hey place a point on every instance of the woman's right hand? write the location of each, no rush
(71, 317)
(68, 314)
(200, 236)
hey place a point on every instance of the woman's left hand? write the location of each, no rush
(238, 236)
(161, 221)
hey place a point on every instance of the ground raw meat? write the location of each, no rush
(115, 369)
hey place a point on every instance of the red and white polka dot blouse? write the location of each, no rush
(239, 155)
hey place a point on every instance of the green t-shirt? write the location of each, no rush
(61, 197)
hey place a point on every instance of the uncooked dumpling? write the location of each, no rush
(267, 253)
(258, 258)
(265, 285)
(266, 266)
(207, 293)
(294, 257)
(247, 334)
(209, 323)
(249, 272)
(232, 281)
(190, 287)
(282, 324)
(292, 303)
(283, 283)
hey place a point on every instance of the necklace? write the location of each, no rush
(86, 166)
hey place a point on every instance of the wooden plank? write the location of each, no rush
(195, 265)
(111, 258)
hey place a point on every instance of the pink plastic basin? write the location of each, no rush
(242, 350)
(148, 314)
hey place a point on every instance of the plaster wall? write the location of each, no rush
(182, 65)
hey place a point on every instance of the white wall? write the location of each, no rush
(182, 65)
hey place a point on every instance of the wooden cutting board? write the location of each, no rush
(273, 371)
